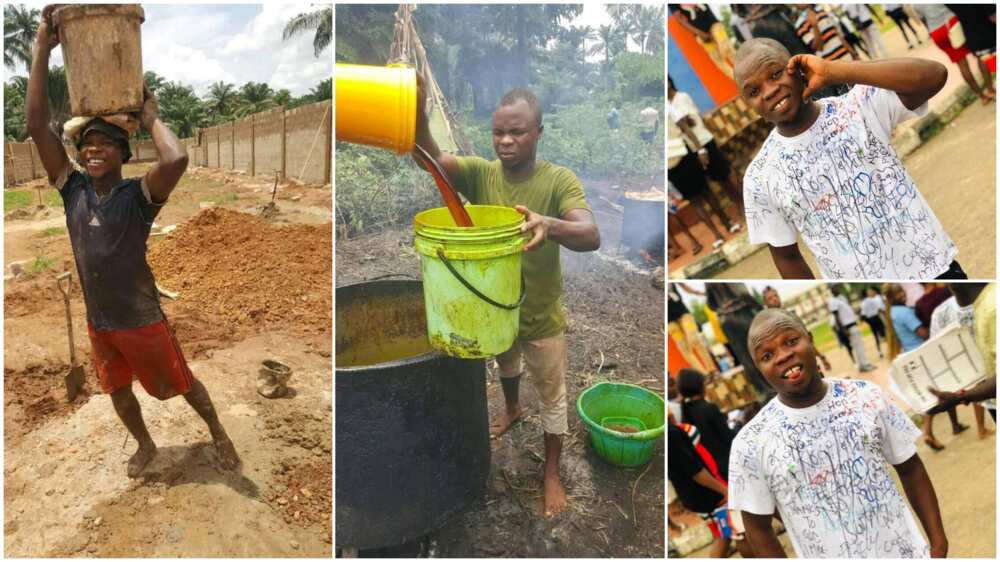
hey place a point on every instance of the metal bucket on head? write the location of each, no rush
(413, 445)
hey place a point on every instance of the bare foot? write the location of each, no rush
(224, 448)
(984, 433)
(140, 459)
(505, 420)
(555, 495)
(959, 429)
(933, 443)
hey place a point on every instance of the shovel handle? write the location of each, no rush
(69, 320)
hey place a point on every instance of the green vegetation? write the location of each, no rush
(14, 199)
(479, 52)
(41, 264)
(51, 231)
(230, 197)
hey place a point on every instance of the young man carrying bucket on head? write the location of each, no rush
(108, 219)
(556, 214)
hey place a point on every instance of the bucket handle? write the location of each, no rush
(467, 285)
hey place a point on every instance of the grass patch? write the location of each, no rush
(14, 199)
(52, 231)
(41, 264)
(230, 197)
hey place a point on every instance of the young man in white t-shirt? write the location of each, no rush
(818, 454)
(828, 172)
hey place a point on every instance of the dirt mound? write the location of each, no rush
(246, 270)
(31, 297)
(34, 395)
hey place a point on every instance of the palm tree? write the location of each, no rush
(322, 91)
(647, 23)
(154, 81)
(59, 111)
(610, 42)
(282, 97)
(321, 20)
(256, 97)
(181, 109)
(20, 26)
(221, 100)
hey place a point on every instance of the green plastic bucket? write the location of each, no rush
(622, 404)
(473, 288)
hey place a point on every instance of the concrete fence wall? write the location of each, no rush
(296, 143)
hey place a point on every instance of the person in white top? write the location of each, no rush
(848, 321)
(872, 309)
(715, 163)
(819, 454)
(950, 312)
(649, 123)
(862, 17)
(828, 172)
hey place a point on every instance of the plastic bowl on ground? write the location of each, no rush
(622, 405)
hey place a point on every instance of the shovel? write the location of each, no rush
(74, 379)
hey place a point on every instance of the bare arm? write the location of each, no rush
(172, 157)
(576, 231)
(790, 263)
(50, 148)
(424, 138)
(914, 80)
(920, 492)
(704, 479)
(761, 535)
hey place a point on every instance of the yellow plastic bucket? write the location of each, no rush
(377, 106)
(473, 287)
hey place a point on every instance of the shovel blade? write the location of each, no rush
(74, 383)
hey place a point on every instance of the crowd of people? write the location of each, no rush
(793, 454)
(794, 65)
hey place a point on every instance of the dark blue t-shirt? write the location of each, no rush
(109, 236)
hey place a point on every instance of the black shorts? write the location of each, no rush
(688, 177)
(718, 164)
(955, 271)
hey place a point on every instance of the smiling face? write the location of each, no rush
(783, 351)
(516, 132)
(100, 154)
(787, 359)
(768, 88)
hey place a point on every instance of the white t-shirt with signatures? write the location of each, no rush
(825, 468)
(841, 186)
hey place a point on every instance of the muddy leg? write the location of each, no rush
(198, 398)
(512, 405)
(555, 494)
(129, 411)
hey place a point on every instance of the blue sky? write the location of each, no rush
(199, 44)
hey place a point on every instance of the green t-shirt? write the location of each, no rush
(553, 191)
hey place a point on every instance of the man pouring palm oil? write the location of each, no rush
(556, 214)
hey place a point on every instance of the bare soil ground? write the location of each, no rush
(615, 318)
(250, 290)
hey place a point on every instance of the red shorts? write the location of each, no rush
(150, 353)
(940, 38)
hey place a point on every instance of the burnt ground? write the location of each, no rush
(258, 297)
(615, 333)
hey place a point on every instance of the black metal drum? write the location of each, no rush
(412, 431)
